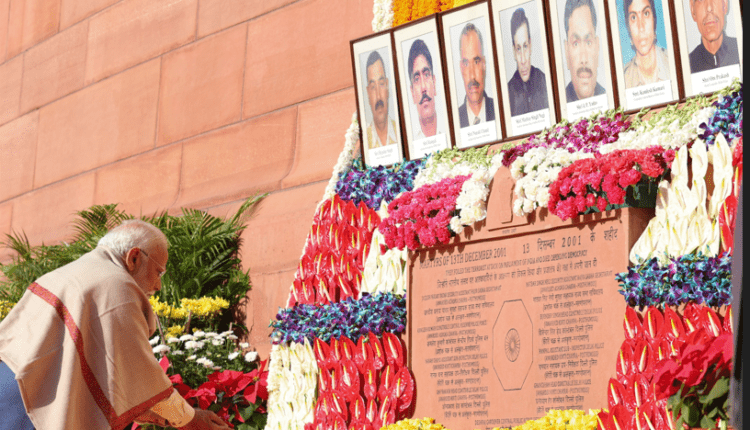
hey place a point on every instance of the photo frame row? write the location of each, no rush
(493, 70)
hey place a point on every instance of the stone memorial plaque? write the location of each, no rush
(502, 330)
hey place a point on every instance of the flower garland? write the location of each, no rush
(352, 318)
(331, 268)
(292, 386)
(362, 385)
(727, 118)
(376, 184)
(536, 163)
(345, 158)
(386, 272)
(583, 135)
(421, 217)
(688, 278)
(603, 180)
(453, 162)
(382, 15)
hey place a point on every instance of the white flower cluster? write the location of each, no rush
(194, 343)
(347, 155)
(292, 386)
(534, 172)
(386, 273)
(670, 134)
(382, 11)
(684, 223)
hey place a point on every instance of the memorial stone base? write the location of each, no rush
(519, 315)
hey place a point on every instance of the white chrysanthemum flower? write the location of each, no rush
(251, 356)
(217, 342)
(191, 358)
(194, 344)
(185, 337)
(233, 355)
(244, 345)
(154, 341)
(158, 349)
(199, 334)
(173, 340)
(205, 362)
(178, 352)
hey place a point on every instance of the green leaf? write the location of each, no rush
(719, 390)
(708, 422)
(691, 414)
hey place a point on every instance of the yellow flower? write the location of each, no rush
(563, 420)
(174, 331)
(205, 306)
(5, 307)
(415, 424)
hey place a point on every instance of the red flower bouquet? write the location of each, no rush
(422, 216)
(595, 183)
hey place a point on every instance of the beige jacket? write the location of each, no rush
(78, 344)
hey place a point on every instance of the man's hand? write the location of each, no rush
(205, 420)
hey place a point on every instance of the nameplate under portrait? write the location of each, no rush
(424, 105)
(377, 101)
(523, 56)
(471, 72)
(581, 43)
(710, 35)
(644, 52)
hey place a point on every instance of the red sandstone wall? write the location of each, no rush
(159, 104)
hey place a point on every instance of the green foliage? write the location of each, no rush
(203, 253)
(702, 405)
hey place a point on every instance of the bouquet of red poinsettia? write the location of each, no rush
(236, 397)
(595, 183)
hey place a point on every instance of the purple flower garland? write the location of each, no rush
(691, 277)
(727, 119)
(376, 184)
(352, 318)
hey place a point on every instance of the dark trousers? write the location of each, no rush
(12, 410)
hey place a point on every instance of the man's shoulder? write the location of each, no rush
(570, 92)
(537, 74)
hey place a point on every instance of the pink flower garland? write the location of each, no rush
(422, 216)
(597, 182)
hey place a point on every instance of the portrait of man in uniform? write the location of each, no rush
(527, 89)
(382, 130)
(582, 50)
(477, 107)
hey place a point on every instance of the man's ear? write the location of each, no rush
(131, 257)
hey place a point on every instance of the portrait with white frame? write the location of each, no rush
(528, 96)
(589, 88)
(376, 97)
(426, 121)
(728, 61)
(644, 52)
(475, 116)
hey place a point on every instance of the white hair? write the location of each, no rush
(133, 233)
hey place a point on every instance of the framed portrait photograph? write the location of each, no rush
(644, 52)
(584, 73)
(424, 105)
(525, 73)
(377, 103)
(471, 75)
(710, 35)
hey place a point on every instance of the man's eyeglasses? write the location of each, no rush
(162, 269)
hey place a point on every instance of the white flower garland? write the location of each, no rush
(292, 386)
(346, 157)
(534, 172)
(382, 11)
